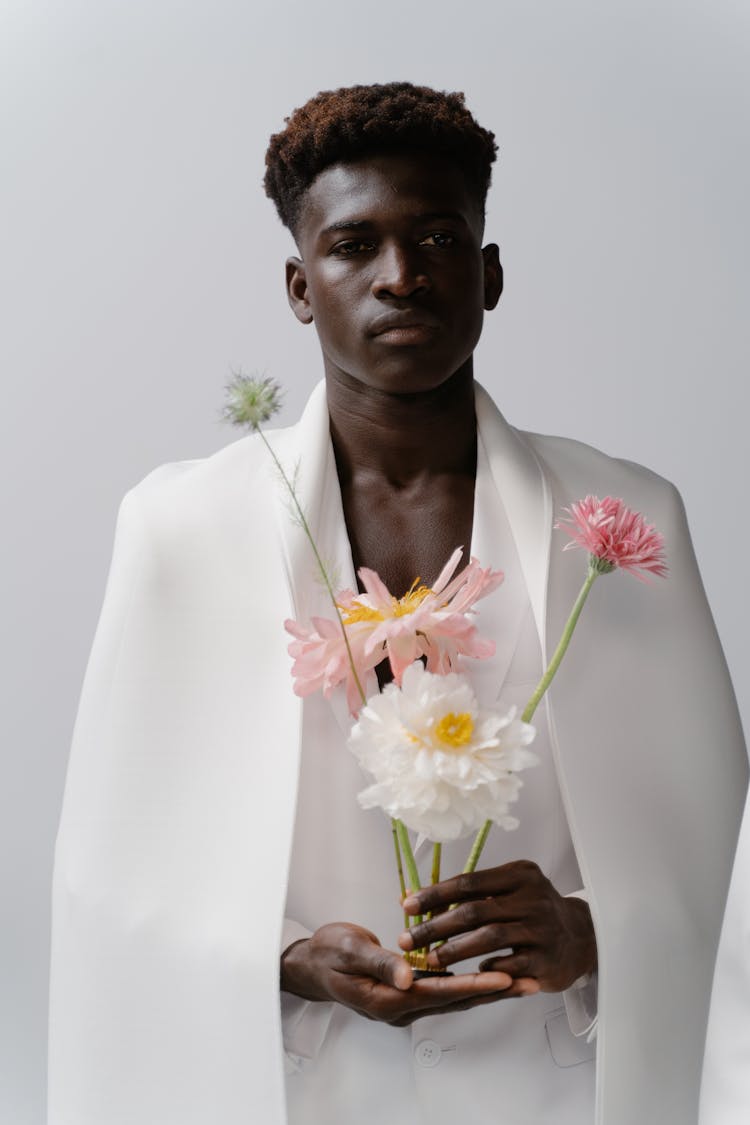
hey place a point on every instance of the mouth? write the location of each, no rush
(404, 327)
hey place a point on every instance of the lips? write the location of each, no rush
(406, 324)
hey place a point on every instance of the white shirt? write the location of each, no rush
(343, 869)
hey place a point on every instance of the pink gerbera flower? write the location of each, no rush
(427, 621)
(615, 537)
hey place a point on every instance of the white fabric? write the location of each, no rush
(174, 843)
(725, 1093)
(343, 869)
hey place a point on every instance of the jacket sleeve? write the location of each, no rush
(167, 900)
(725, 1093)
(304, 1023)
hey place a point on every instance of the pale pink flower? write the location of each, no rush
(615, 536)
(321, 660)
(427, 621)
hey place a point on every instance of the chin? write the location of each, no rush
(415, 381)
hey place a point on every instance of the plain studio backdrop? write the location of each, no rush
(141, 262)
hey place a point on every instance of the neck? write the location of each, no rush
(403, 438)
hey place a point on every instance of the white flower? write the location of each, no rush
(440, 764)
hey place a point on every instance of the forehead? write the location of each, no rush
(387, 189)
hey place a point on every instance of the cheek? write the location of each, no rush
(333, 303)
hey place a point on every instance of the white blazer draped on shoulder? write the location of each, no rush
(174, 842)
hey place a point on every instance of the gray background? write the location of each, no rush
(141, 262)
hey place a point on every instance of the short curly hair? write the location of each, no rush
(359, 121)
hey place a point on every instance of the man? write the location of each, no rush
(179, 847)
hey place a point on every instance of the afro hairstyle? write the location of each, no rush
(354, 122)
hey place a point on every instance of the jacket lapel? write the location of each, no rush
(526, 495)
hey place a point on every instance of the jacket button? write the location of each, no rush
(428, 1052)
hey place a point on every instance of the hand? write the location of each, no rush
(513, 907)
(348, 964)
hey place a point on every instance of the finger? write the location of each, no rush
(460, 1006)
(464, 947)
(471, 885)
(432, 992)
(517, 989)
(467, 916)
(383, 1002)
(386, 966)
(464, 934)
(518, 964)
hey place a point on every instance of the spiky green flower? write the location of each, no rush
(251, 400)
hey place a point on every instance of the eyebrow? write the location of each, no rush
(367, 224)
(347, 224)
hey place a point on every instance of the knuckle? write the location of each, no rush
(347, 945)
(383, 967)
(472, 913)
(530, 869)
(465, 883)
(496, 934)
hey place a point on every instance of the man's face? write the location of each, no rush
(392, 271)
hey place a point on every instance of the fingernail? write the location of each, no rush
(405, 940)
(411, 902)
(404, 978)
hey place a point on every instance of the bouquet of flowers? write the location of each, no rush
(438, 764)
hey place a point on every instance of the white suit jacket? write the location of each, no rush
(725, 1094)
(174, 841)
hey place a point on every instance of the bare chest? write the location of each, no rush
(408, 534)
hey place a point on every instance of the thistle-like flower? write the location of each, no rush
(251, 400)
(615, 536)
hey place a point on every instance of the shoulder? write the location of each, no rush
(195, 489)
(170, 482)
(569, 456)
(575, 469)
(572, 468)
(195, 507)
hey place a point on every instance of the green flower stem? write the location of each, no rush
(479, 842)
(562, 647)
(538, 695)
(436, 854)
(329, 588)
(399, 868)
(321, 565)
(437, 850)
(411, 865)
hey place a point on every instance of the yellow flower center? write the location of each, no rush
(455, 730)
(358, 612)
(411, 600)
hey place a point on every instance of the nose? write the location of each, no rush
(399, 273)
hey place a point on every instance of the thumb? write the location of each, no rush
(390, 968)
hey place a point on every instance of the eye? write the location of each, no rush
(438, 238)
(351, 246)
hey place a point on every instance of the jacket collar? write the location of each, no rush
(526, 495)
(306, 452)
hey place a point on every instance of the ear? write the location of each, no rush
(296, 290)
(493, 275)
